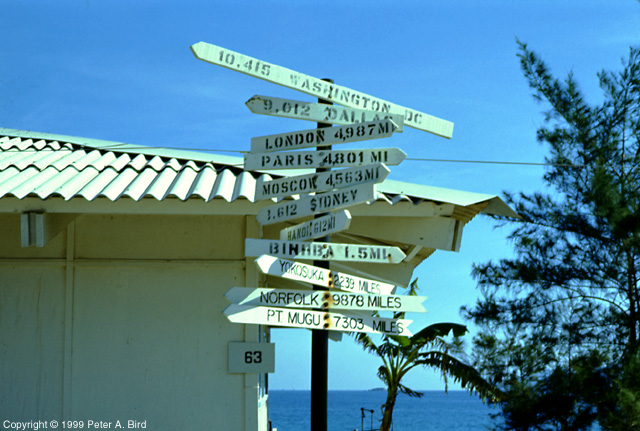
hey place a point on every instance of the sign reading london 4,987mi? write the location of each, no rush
(316, 320)
(323, 251)
(323, 136)
(317, 87)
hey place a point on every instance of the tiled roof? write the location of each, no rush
(43, 165)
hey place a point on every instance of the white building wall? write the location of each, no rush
(120, 318)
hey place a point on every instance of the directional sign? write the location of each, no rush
(324, 299)
(318, 112)
(322, 181)
(316, 320)
(320, 276)
(320, 137)
(312, 204)
(323, 251)
(318, 227)
(324, 159)
(317, 87)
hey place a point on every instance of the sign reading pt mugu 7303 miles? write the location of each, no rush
(316, 320)
(317, 87)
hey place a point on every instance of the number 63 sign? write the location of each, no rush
(252, 357)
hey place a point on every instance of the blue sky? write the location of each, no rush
(123, 71)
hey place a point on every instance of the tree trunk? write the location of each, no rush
(388, 409)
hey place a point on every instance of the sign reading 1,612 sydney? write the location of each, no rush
(317, 87)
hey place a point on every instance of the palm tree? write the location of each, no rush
(400, 354)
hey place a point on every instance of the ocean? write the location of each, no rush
(435, 411)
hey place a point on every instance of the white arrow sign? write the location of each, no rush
(325, 136)
(324, 299)
(322, 181)
(318, 112)
(323, 251)
(316, 228)
(316, 320)
(317, 87)
(312, 204)
(320, 276)
(323, 159)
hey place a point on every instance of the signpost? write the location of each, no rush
(316, 87)
(324, 299)
(322, 181)
(323, 137)
(312, 204)
(323, 159)
(323, 251)
(319, 112)
(323, 320)
(320, 276)
(318, 227)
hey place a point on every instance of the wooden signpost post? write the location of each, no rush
(362, 117)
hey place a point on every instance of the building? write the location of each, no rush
(113, 264)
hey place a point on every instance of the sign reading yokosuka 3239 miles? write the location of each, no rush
(316, 320)
(299, 271)
(317, 87)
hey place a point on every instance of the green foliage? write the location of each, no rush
(428, 348)
(560, 321)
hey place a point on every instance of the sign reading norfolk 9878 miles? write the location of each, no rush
(363, 117)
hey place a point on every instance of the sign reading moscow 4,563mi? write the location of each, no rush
(316, 320)
(321, 181)
(312, 204)
(323, 251)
